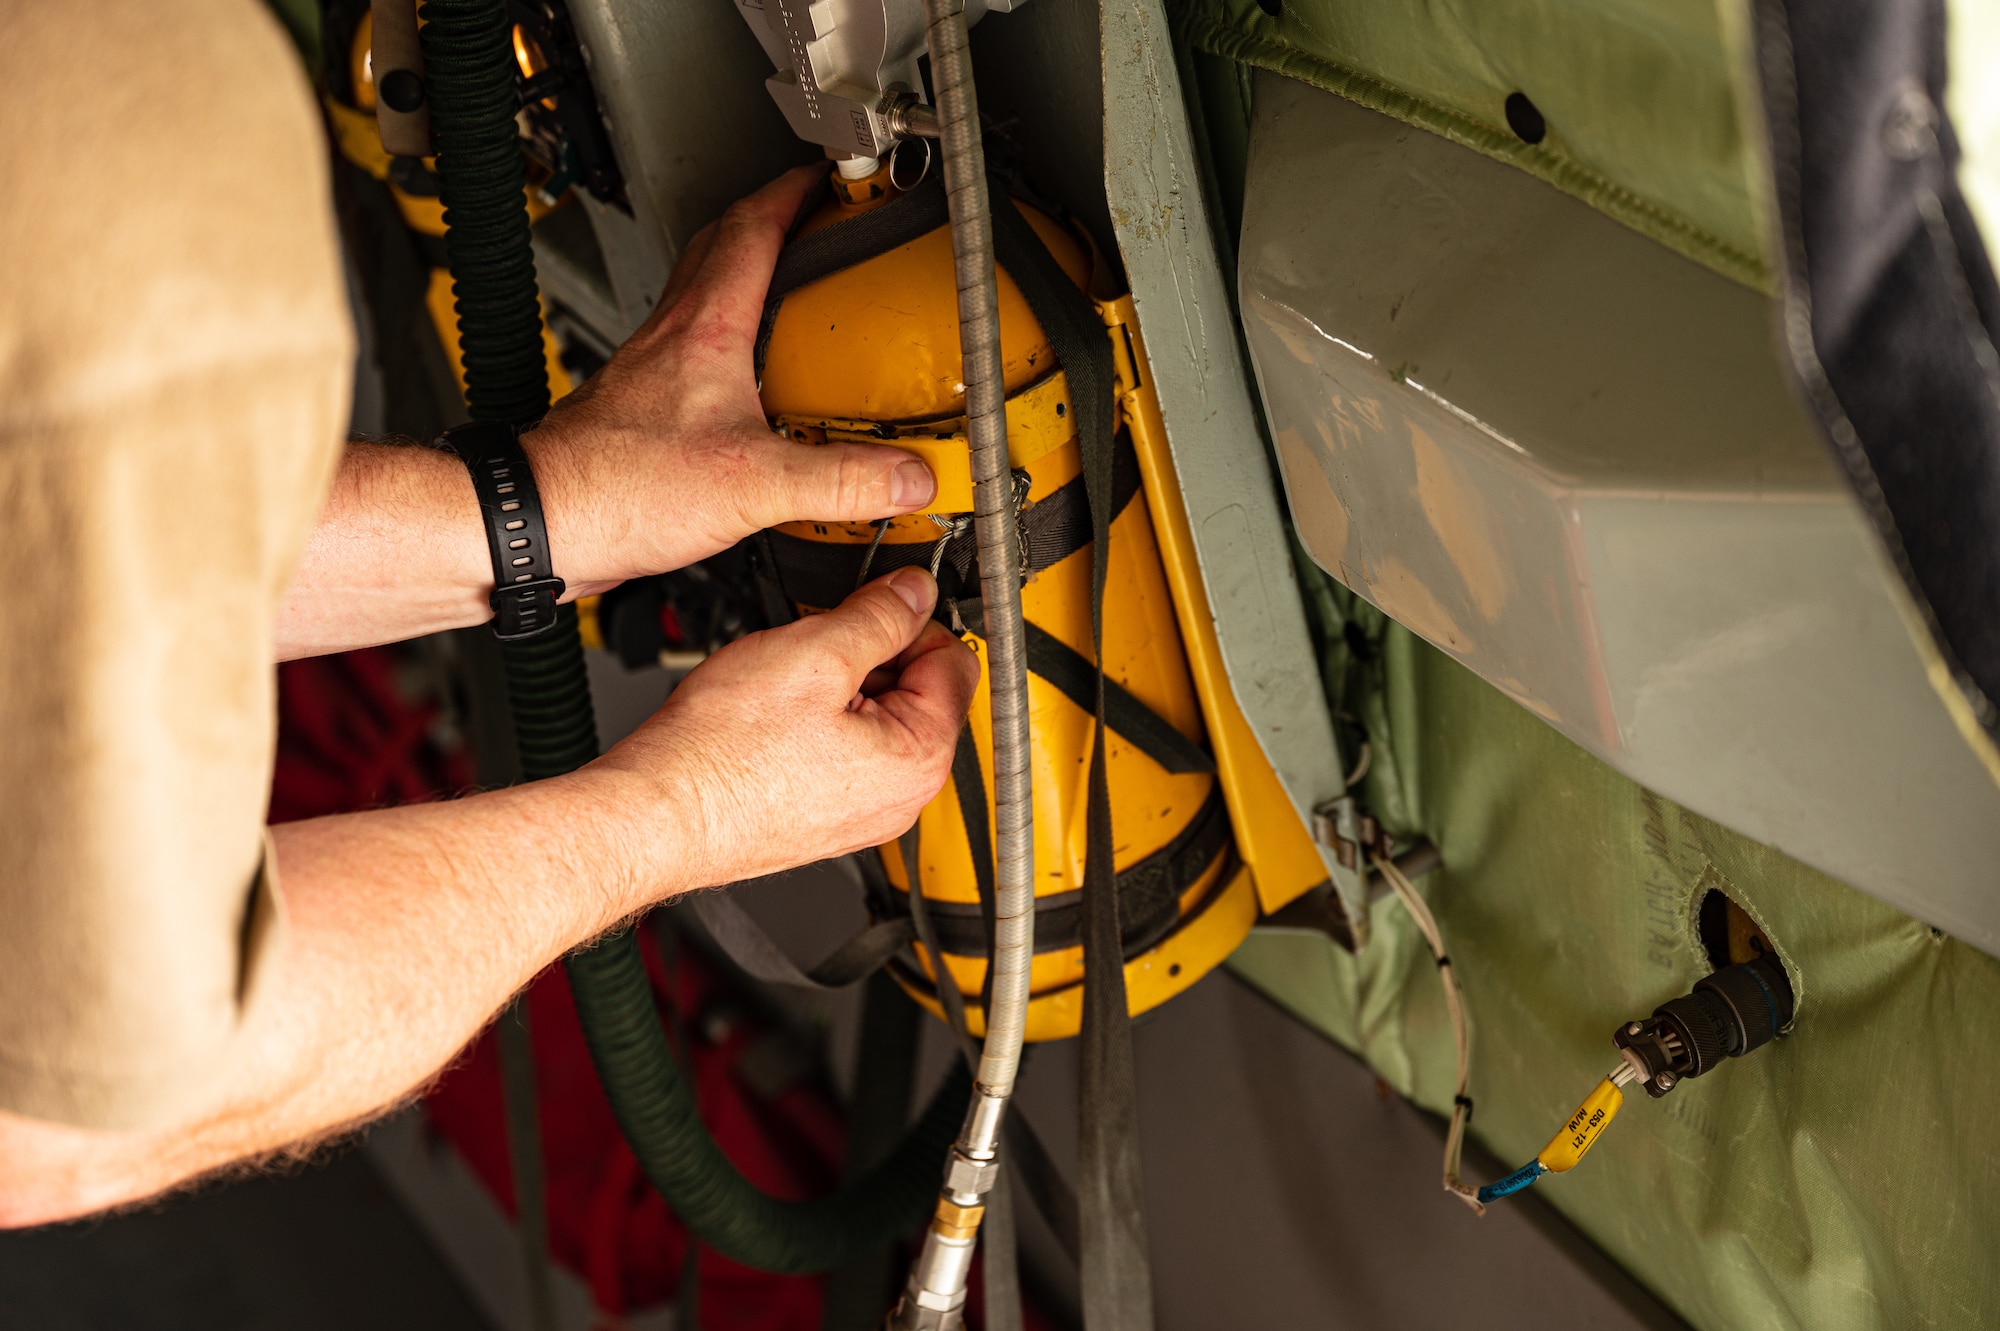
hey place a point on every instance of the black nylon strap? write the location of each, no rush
(1149, 896)
(1116, 1282)
(999, 1243)
(970, 783)
(744, 942)
(822, 574)
(771, 596)
(525, 585)
(1155, 736)
(806, 259)
(946, 988)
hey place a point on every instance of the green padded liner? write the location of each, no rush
(1640, 96)
(1846, 1177)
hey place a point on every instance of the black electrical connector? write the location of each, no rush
(1740, 1007)
(1737, 1009)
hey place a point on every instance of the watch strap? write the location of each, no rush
(525, 585)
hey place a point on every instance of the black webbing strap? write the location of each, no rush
(771, 598)
(1149, 895)
(744, 942)
(822, 573)
(1155, 736)
(1116, 1282)
(947, 988)
(807, 259)
(970, 783)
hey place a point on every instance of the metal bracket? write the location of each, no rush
(1351, 835)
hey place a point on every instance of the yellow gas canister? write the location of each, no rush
(871, 352)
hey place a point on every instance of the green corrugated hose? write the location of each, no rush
(469, 71)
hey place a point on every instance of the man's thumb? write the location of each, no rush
(848, 483)
(874, 625)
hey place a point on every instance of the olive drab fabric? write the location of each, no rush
(1638, 106)
(175, 362)
(1844, 1178)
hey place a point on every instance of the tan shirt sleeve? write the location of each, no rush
(175, 357)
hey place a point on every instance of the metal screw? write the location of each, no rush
(1666, 1081)
(1633, 1027)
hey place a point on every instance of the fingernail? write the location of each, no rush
(915, 587)
(911, 485)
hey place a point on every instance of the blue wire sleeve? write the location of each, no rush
(1515, 1182)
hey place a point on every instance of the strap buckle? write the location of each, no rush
(524, 609)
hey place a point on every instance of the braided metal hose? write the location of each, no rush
(995, 524)
(469, 64)
(934, 1298)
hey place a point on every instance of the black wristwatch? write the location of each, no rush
(525, 585)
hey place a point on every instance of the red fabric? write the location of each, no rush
(352, 735)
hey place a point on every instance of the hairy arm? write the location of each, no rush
(406, 929)
(664, 457)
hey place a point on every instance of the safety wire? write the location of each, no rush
(1454, 1003)
(868, 560)
(953, 528)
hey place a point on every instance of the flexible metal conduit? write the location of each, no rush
(470, 67)
(936, 1291)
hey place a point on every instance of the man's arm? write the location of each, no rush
(406, 929)
(664, 457)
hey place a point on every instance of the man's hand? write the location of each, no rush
(811, 740)
(664, 456)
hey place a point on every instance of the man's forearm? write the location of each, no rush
(398, 552)
(405, 930)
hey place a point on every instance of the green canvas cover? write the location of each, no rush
(1845, 1178)
(1640, 97)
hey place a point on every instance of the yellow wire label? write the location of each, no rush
(1584, 1128)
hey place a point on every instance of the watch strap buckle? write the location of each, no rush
(524, 609)
(525, 586)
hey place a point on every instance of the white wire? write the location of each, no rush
(1454, 1003)
(1361, 765)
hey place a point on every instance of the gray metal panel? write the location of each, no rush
(1568, 457)
(681, 89)
(1184, 311)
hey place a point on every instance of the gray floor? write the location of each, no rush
(1285, 1186)
(472, 1235)
(327, 1248)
